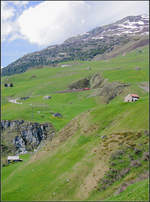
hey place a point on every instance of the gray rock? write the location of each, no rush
(138, 68)
(29, 135)
(57, 115)
(104, 136)
(24, 98)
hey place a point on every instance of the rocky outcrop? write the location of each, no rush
(82, 83)
(110, 90)
(96, 81)
(105, 89)
(22, 136)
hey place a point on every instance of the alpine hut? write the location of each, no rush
(131, 98)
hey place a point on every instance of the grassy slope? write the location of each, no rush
(71, 155)
(135, 191)
(50, 80)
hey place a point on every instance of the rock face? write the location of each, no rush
(96, 81)
(23, 136)
(105, 89)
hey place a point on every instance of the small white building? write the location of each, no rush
(13, 159)
(131, 98)
(66, 65)
(47, 97)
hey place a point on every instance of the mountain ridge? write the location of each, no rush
(86, 46)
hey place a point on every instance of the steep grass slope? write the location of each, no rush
(82, 161)
(72, 165)
(47, 81)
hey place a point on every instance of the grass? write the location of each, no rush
(70, 159)
(50, 80)
(77, 151)
(138, 190)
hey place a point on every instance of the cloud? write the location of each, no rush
(9, 13)
(20, 3)
(6, 14)
(54, 21)
(51, 22)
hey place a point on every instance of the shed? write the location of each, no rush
(8, 84)
(131, 98)
(47, 97)
(13, 159)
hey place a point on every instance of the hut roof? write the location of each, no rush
(13, 157)
(135, 95)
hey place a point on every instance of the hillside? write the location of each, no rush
(100, 149)
(86, 46)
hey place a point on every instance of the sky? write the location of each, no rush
(28, 26)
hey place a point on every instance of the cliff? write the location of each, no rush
(19, 136)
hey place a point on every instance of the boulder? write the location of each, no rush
(103, 136)
(57, 115)
(24, 98)
(137, 68)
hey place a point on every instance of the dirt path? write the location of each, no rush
(92, 179)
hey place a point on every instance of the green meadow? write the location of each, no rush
(71, 166)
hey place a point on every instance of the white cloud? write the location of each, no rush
(9, 26)
(51, 22)
(6, 14)
(6, 11)
(20, 3)
(54, 21)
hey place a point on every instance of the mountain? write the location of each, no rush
(86, 46)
